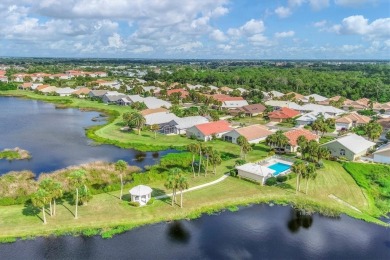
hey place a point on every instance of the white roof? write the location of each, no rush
(355, 143)
(255, 168)
(49, 89)
(312, 116)
(274, 93)
(242, 90)
(187, 122)
(66, 90)
(159, 118)
(235, 103)
(135, 98)
(288, 104)
(149, 88)
(113, 93)
(141, 190)
(213, 87)
(195, 86)
(152, 102)
(35, 85)
(322, 109)
(316, 97)
(383, 148)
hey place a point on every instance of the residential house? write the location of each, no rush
(351, 120)
(112, 98)
(152, 89)
(225, 90)
(183, 93)
(242, 90)
(64, 92)
(254, 172)
(206, 131)
(277, 104)
(293, 96)
(269, 95)
(97, 93)
(314, 97)
(293, 136)
(153, 102)
(382, 155)
(385, 123)
(333, 111)
(149, 111)
(48, 90)
(81, 92)
(194, 87)
(351, 147)
(105, 83)
(309, 118)
(181, 124)
(41, 87)
(254, 134)
(230, 102)
(25, 86)
(283, 114)
(249, 110)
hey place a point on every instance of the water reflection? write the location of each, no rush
(155, 155)
(298, 219)
(140, 156)
(177, 232)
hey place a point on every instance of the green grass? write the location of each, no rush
(326, 139)
(375, 180)
(9, 155)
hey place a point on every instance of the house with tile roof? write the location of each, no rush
(293, 135)
(81, 92)
(254, 134)
(309, 118)
(249, 110)
(351, 147)
(64, 92)
(277, 104)
(183, 93)
(25, 86)
(228, 101)
(351, 120)
(269, 95)
(205, 132)
(283, 114)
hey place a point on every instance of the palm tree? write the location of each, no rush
(193, 148)
(40, 199)
(299, 168)
(215, 160)
(138, 120)
(171, 182)
(207, 151)
(182, 184)
(200, 149)
(310, 173)
(155, 128)
(241, 140)
(121, 166)
(77, 180)
(322, 153)
(246, 148)
(54, 191)
(302, 143)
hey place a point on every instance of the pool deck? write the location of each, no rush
(274, 160)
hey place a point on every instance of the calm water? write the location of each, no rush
(56, 138)
(257, 232)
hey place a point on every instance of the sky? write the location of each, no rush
(196, 29)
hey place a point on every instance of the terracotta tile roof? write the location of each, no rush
(184, 93)
(223, 98)
(82, 91)
(254, 132)
(283, 113)
(214, 127)
(40, 87)
(26, 85)
(295, 95)
(294, 134)
(384, 122)
(354, 118)
(2, 72)
(153, 111)
(227, 89)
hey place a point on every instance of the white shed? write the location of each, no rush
(254, 172)
(141, 194)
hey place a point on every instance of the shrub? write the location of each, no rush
(270, 181)
(233, 172)
(281, 178)
(151, 201)
(134, 203)
(240, 162)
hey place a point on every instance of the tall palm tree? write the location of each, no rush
(54, 191)
(171, 182)
(193, 148)
(241, 140)
(77, 180)
(138, 120)
(215, 160)
(299, 168)
(182, 184)
(40, 199)
(246, 148)
(310, 173)
(121, 166)
(200, 149)
(207, 151)
(155, 128)
(322, 153)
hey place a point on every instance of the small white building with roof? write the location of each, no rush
(64, 92)
(254, 172)
(141, 194)
(351, 147)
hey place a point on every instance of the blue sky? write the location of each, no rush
(235, 29)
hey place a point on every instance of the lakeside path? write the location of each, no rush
(195, 188)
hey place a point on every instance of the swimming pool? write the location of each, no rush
(279, 167)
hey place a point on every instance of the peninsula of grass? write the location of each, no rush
(14, 154)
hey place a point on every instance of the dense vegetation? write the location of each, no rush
(354, 82)
(7, 86)
(375, 179)
(9, 155)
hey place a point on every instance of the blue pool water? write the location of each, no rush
(279, 167)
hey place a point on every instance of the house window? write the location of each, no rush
(342, 152)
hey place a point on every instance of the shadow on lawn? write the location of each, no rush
(30, 210)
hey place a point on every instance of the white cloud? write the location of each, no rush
(359, 25)
(218, 35)
(143, 49)
(224, 47)
(320, 23)
(318, 4)
(260, 40)
(283, 12)
(115, 41)
(252, 27)
(353, 3)
(284, 34)
(187, 47)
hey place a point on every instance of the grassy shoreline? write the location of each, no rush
(334, 180)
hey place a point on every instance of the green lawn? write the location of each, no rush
(9, 155)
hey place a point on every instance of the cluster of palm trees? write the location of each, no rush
(49, 191)
(211, 156)
(177, 181)
(322, 125)
(304, 170)
(278, 139)
(134, 119)
(245, 146)
(311, 150)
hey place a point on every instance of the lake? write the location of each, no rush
(56, 138)
(255, 232)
